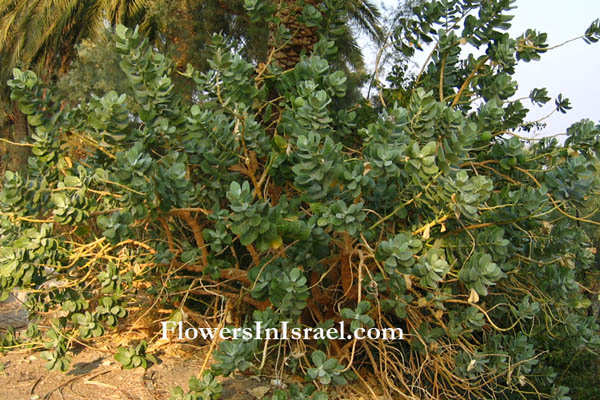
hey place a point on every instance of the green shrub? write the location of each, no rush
(429, 213)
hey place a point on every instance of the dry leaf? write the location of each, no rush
(367, 168)
(471, 365)
(426, 232)
(259, 392)
(407, 282)
(473, 296)
(252, 162)
(241, 168)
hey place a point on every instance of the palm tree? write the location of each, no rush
(193, 22)
(361, 14)
(365, 17)
(42, 35)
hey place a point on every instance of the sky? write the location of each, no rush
(573, 69)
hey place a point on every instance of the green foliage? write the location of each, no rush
(315, 172)
(264, 195)
(87, 324)
(234, 355)
(247, 221)
(57, 357)
(325, 371)
(592, 33)
(8, 339)
(110, 311)
(480, 272)
(359, 316)
(289, 292)
(205, 388)
(297, 392)
(134, 357)
(399, 252)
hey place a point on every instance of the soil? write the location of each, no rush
(95, 375)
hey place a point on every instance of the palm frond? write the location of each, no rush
(366, 16)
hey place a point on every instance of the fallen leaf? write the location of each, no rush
(259, 392)
(473, 296)
(471, 365)
(407, 282)
(426, 232)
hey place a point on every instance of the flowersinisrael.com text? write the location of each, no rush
(177, 330)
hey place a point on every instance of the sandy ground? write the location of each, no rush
(95, 374)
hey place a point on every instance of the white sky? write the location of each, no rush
(573, 70)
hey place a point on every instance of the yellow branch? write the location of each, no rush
(15, 143)
(468, 80)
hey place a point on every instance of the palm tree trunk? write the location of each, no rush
(303, 38)
(17, 155)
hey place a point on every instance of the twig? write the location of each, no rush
(211, 348)
(15, 143)
(47, 395)
(469, 79)
(192, 209)
(442, 71)
(31, 391)
(197, 231)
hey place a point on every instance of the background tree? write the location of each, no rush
(182, 29)
(42, 35)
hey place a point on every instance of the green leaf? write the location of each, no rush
(318, 357)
